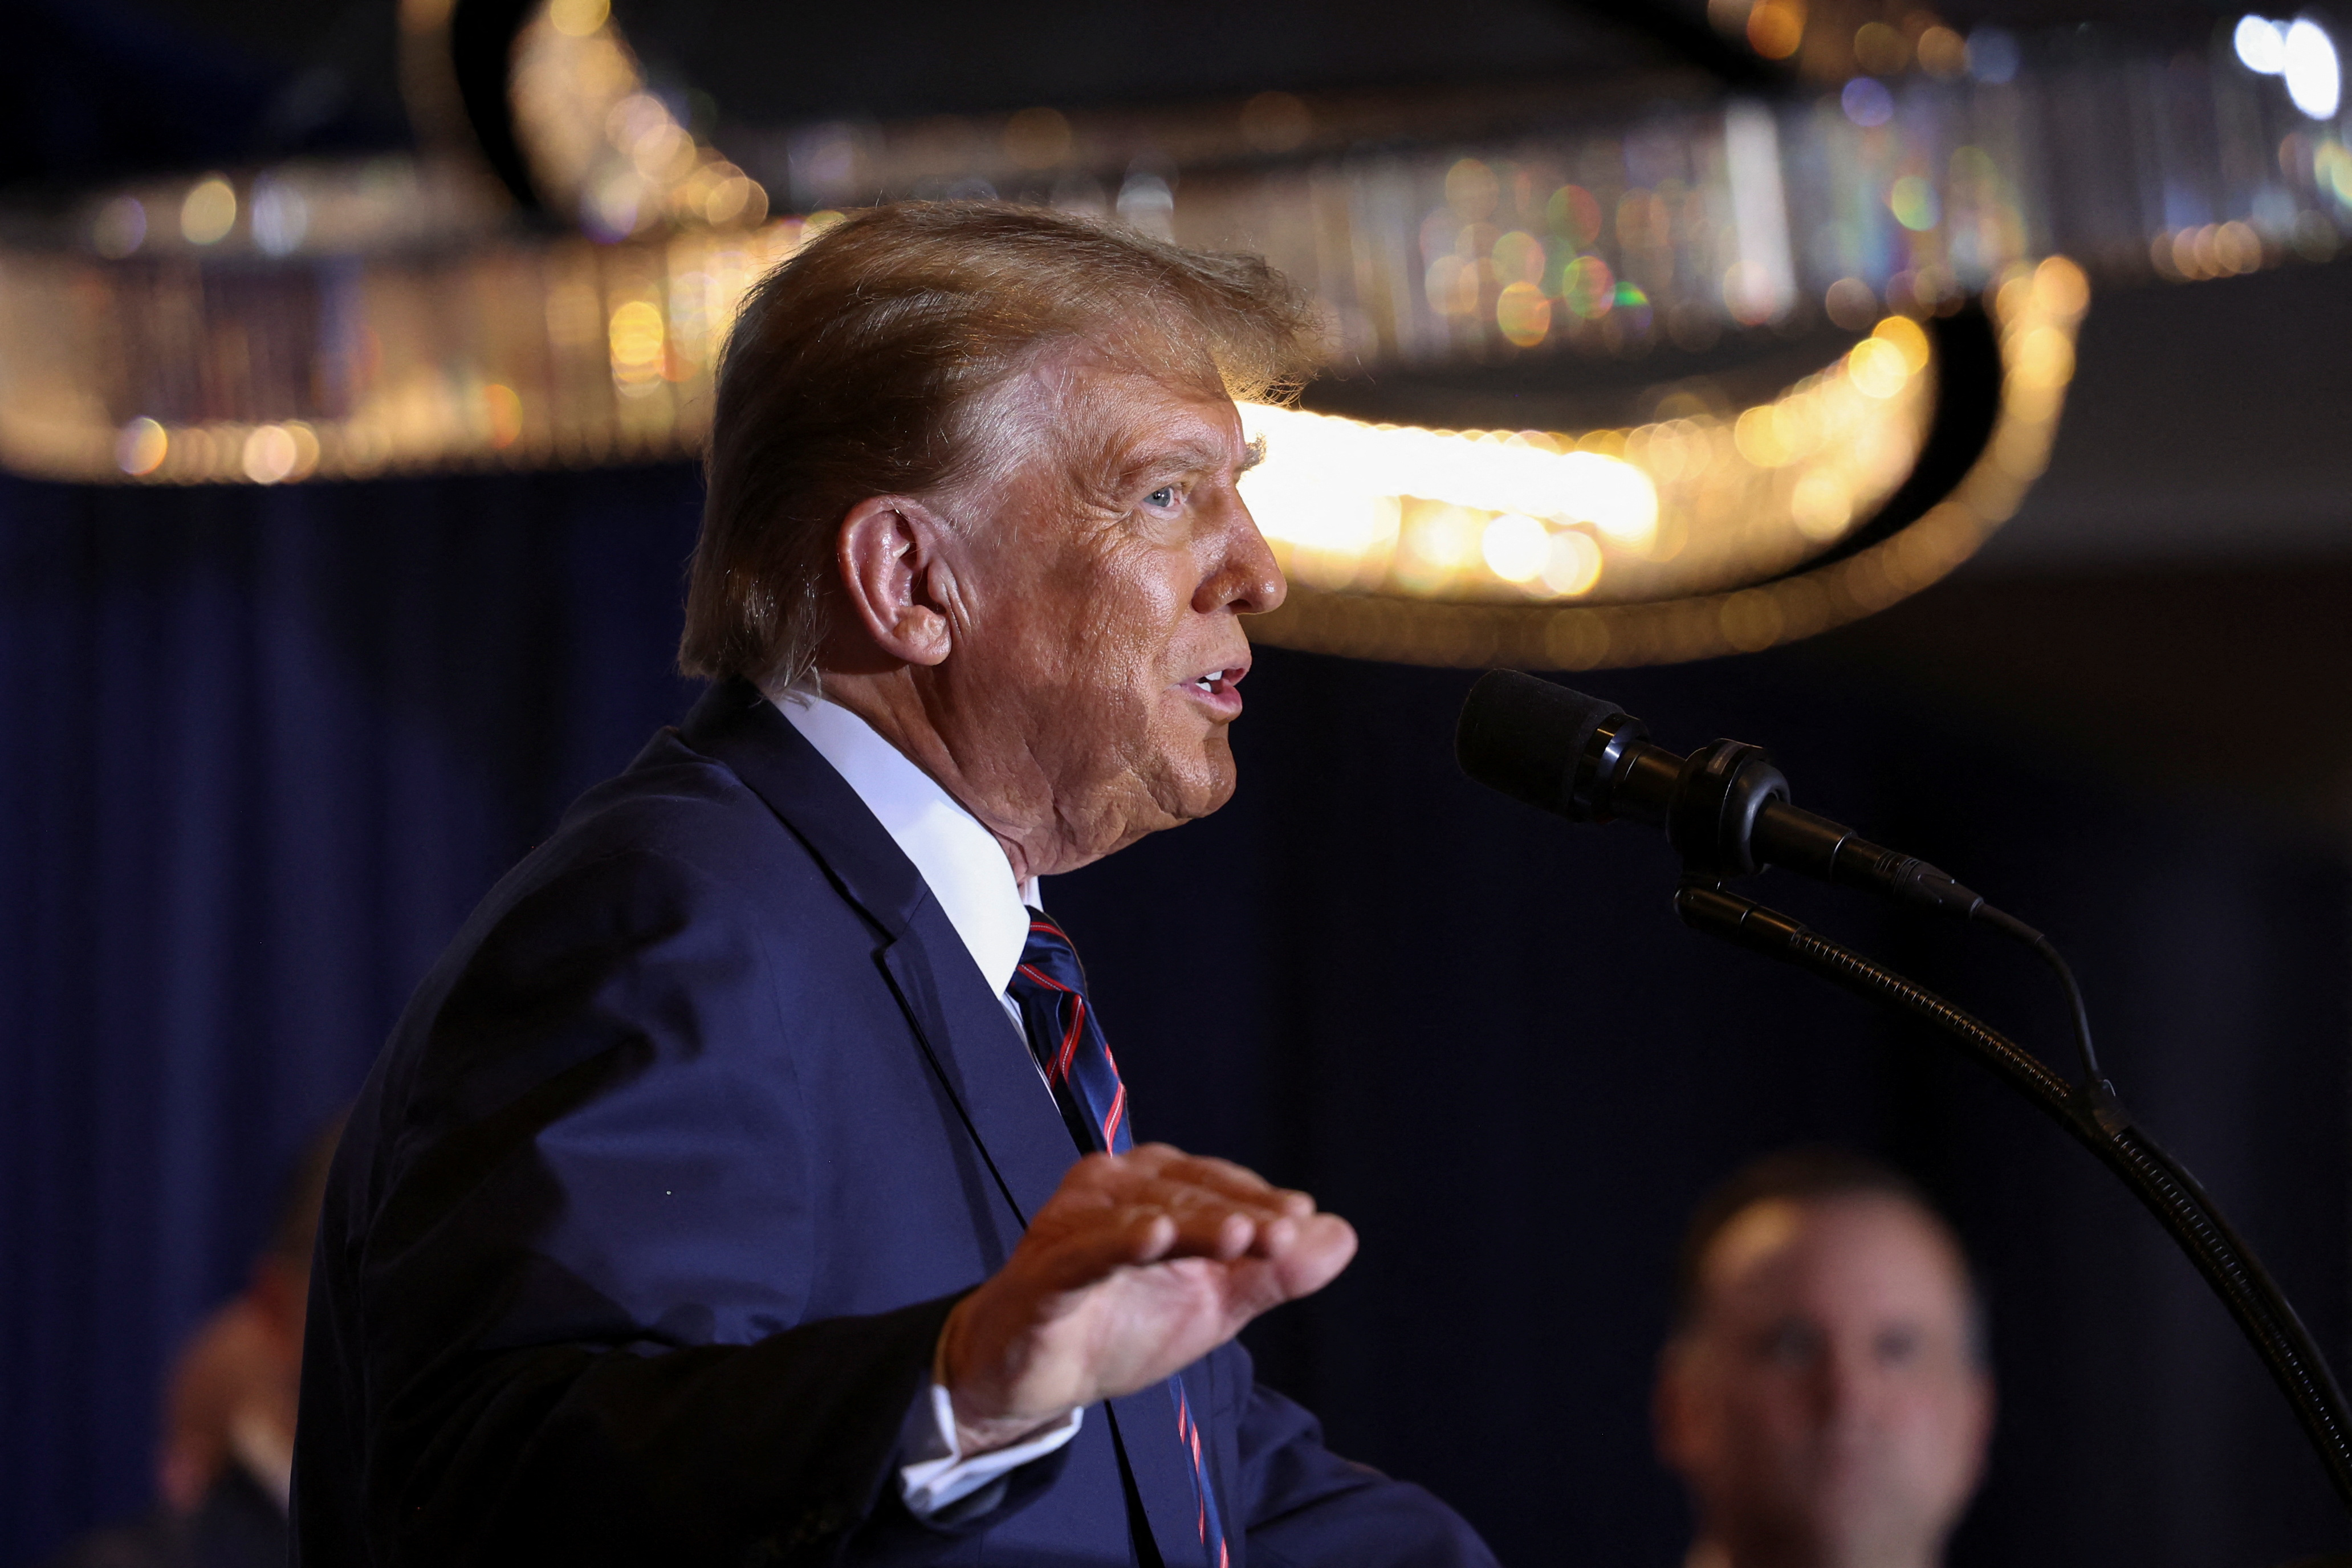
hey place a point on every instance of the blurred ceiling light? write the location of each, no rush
(1775, 27)
(1611, 516)
(1411, 595)
(280, 216)
(1942, 53)
(208, 211)
(141, 449)
(603, 147)
(1516, 548)
(2261, 44)
(1146, 201)
(2315, 79)
(1037, 137)
(579, 18)
(270, 455)
(120, 228)
(1706, 529)
(1867, 102)
(1880, 49)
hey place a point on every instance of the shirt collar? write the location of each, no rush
(961, 861)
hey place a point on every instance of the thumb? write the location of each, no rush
(1324, 1245)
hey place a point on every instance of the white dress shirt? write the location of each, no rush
(965, 868)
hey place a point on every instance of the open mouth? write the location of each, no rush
(1216, 688)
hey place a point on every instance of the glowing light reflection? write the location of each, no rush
(1534, 513)
(2315, 79)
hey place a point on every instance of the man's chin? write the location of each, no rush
(1190, 786)
(1211, 786)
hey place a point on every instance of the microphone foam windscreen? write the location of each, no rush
(1524, 737)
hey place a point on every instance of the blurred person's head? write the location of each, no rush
(235, 1385)
(1825, 1394)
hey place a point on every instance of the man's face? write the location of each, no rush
(1826, 1408)
(1098, 644)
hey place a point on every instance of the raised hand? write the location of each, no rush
(1140, 1264)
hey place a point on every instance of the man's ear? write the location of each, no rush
(892, 554)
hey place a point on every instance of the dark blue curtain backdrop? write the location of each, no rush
(265, 749)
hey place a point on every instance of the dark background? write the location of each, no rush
(265, 749)
(267, 746)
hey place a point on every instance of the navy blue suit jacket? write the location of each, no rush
(647, 1221)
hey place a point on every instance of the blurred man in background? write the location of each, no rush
(1825, 1394)
(227, 1456)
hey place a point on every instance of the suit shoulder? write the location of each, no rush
(675, 806)
(676, 842)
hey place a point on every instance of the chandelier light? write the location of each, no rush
(315, 321)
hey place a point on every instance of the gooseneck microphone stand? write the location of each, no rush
(1726, 810)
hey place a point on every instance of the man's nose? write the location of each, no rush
(1844, 1384)
(1247, 580)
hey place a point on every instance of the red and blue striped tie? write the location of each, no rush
(1050, 989)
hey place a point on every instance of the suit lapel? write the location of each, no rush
(982, 1060)
(974, 1046)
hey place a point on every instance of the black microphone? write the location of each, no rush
(1724, 807)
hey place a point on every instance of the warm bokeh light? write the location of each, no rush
(1942, 53)
(1881, 50)
(637, 335)
(1439, 582)
(208, 212)
(141, 449)
(1523, 514)
(1775, 27)
(1516, 548)
(617, 152)
(579, 18)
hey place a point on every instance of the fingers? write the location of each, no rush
(1073, 1257)
(1324, 1245)
(1137, 1265)
(1221, 1211)
(1236, 1183)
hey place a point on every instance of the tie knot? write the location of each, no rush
(1048, 962)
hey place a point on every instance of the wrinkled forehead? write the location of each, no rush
(1852, 1256)
(1096, 415)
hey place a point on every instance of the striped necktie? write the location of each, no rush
(1050, 989)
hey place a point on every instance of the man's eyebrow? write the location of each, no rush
(1198, 457)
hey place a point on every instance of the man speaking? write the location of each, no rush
(751, 1180)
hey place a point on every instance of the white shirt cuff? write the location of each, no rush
(937, 1477)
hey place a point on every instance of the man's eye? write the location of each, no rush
(1163, 497)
